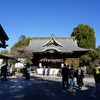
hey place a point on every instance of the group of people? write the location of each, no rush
(69, 73)
(6, 72)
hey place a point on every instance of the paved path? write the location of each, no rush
(43, 88)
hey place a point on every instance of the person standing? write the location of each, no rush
(11, 70)
(96, 73)
(43, 72)
(28, 71)
(65, 76)
(4, 72)
(48, 71)
(79, 76)
(71, 76)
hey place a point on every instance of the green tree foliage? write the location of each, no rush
(85, 59)
(4, 52)
(95, 54)
(22, 37)
(74, 63)
(26, 41)
(22, 42)
(85, 36)
(20, 49)
(98, 51)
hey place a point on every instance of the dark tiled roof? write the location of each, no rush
(3, 34)
(59, 44)
(7, 56)
(3, 38)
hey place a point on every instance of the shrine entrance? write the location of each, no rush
(52, 63)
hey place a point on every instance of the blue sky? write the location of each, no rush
(41, 18)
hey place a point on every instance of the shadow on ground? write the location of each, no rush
(38, 88)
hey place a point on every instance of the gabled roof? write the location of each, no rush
(52, 41)
(59, 44)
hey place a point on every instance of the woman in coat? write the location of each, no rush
(79, 76)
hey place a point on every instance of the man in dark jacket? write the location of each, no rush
(65, 76)
(4, 72)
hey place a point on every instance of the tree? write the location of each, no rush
(4, 52)
(95, 55)
(22, 37)
(20, 49)
(98, 50)
(21, 43)
(84, 60)
(85, 36)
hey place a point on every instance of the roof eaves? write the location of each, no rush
(51, 48)
(4, 33)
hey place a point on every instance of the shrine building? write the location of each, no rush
(54, 51)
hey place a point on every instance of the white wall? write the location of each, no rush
(53, 71)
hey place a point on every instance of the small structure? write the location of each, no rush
(3, 39)
(53, 51)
